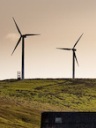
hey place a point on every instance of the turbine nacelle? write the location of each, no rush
(23, 36)
(74, 50)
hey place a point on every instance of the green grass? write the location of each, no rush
(22, 102)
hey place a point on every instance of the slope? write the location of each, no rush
(21, 102)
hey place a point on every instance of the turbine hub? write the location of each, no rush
(24, 36)
(74, 49)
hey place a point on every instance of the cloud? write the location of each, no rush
(12, 36)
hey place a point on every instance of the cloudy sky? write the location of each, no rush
(60, 23)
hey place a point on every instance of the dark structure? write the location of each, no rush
(18, 75)
(22, 37)
(74, 55)
(68, 120)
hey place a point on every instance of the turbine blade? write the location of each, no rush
(77, 41)
(65, 48)
(16, 45)
(17, 27)
(76, 58)
(32, 34)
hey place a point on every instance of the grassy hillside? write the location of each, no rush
(21, 102)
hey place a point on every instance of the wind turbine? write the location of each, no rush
(22, 37)
(74, 55)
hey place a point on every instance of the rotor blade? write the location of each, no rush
(76, 58)
(16, 45)
(65, 48)
(32, 34)
(77, 41)
(17, 27)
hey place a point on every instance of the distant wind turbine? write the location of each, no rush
(22, 37)
(74, 55)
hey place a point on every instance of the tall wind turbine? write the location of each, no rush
(22, 37)
(74, 55)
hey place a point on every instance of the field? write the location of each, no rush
(22, 102)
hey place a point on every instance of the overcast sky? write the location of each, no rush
(60, 23)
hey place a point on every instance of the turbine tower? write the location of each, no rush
(74, 55)
(22, 37)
